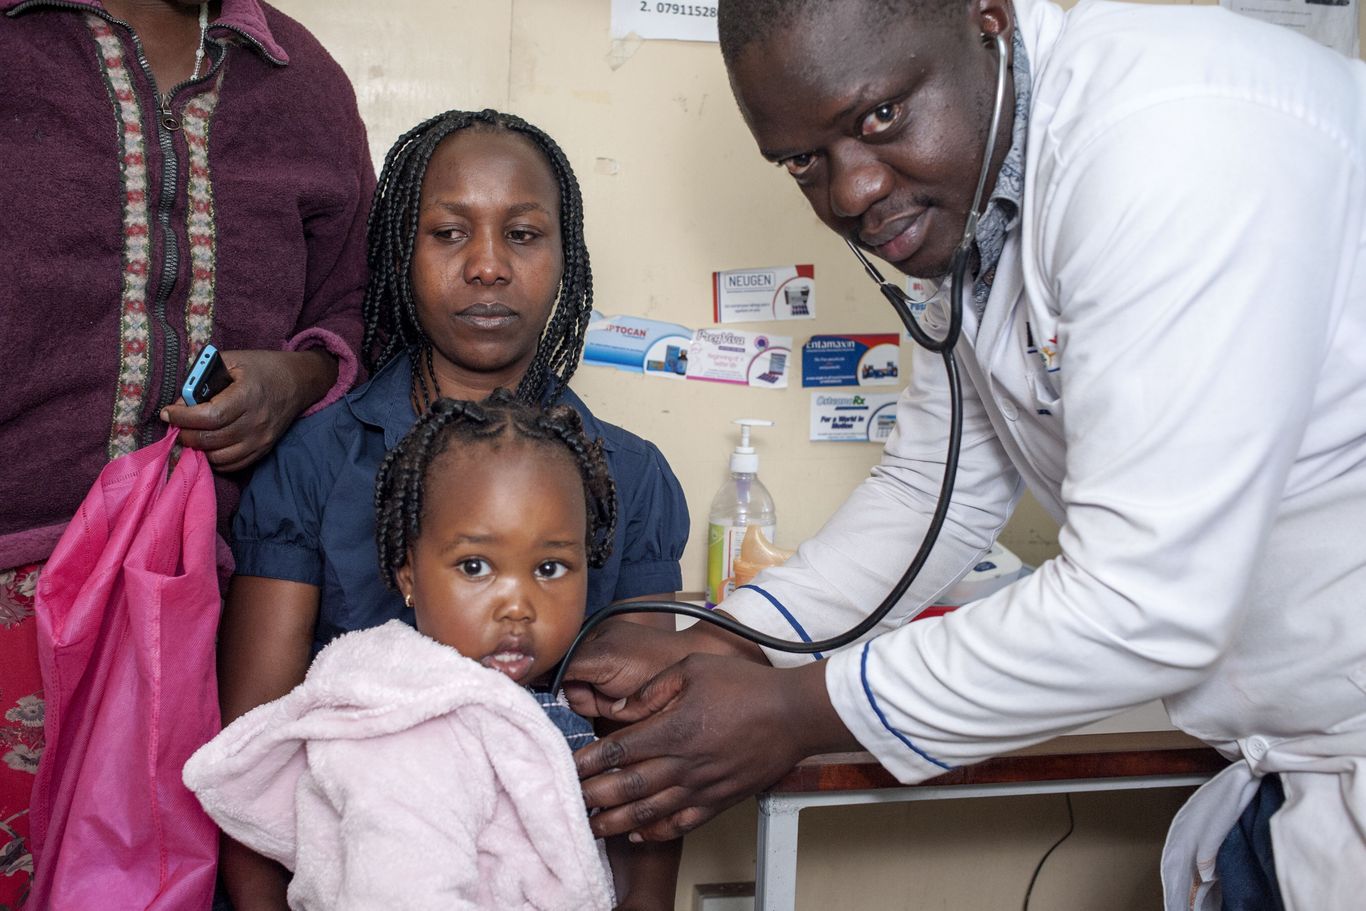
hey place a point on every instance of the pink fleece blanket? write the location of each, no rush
(400, 774)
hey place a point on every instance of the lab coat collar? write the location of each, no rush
(1040, 23)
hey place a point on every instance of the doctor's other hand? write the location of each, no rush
(620, 657)
(269, 389)
(708, 732)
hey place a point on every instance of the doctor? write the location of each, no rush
(1163, 340)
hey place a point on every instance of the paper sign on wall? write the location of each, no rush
(750, 295)
(928, 304)
(920, 290)
(743, 358)
(670, 21)
(853, 417)
(638, 345)
(851, 360)
(1332, 23)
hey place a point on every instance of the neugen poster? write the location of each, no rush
(757, 295)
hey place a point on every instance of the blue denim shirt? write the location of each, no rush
(308, 513)
(577, 730)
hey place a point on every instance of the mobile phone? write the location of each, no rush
(208, 377)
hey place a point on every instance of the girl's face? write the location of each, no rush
(487, 259)
(500, 571)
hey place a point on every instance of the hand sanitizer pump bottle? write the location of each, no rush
(742, 501)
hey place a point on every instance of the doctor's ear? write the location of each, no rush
(994, 17)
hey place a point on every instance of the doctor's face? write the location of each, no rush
(881, 120)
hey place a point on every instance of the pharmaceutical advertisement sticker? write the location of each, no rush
(638, 345)
(743, 358)
(929, 305)
(852, 360)
(751, 295)
(670, 21)
(920, 290)
(853, 417)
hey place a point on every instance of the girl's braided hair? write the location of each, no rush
(399, 485)
(390, 308)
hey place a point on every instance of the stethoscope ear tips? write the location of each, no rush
(996, 41)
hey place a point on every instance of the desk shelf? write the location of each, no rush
(1072, 764)
(1081, 756)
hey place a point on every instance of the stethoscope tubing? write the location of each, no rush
(944, 347)
(856, 632)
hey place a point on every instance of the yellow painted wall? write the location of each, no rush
(673, 190)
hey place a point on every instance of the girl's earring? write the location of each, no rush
(408, 601)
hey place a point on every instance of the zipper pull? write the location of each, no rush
(170, 120)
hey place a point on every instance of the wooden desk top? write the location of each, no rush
(1076, 756)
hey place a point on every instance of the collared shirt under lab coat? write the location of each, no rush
(1173, 360)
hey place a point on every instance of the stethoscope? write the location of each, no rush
(944, 346)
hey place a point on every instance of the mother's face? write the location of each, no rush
(882, 121)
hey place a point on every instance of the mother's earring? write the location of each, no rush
(408, 601)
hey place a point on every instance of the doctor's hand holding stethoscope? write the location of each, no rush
(893, 129)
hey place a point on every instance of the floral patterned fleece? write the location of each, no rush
(21, 728)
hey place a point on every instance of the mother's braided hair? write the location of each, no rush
(398, 487)
(390, 307)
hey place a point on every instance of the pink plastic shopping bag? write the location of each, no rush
(127, 610)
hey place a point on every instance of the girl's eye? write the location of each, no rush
(551, 569)
(797, 165)
(450, 233)
(879, 120)
(473, 567)
(522, 235)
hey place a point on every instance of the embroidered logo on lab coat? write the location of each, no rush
(1049, 359)
(1047, 352)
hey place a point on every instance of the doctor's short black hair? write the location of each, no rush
(403, 474)
(741, 23)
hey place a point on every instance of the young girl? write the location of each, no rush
(479, 280)
(400, 774)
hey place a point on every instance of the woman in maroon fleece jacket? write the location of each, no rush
(153, 199)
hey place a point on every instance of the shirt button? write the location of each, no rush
(1256, 747)
(1008, 409)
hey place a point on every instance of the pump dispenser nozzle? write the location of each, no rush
(744, 459)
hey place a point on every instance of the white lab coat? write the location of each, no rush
(1189, 263)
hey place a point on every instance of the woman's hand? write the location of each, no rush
(708, 731)
(269, 390)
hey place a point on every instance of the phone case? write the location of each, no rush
(207, 378)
